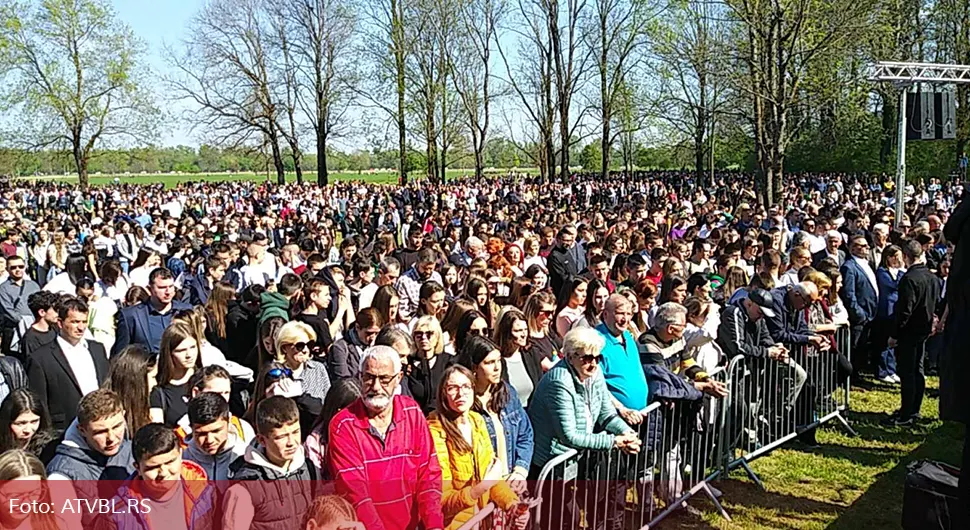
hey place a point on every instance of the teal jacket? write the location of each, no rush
(558, 417)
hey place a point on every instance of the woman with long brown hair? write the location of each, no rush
(539, 310)
(23, 476)
(216, 309)
(132, 375)
(471, 475)
(179, 356)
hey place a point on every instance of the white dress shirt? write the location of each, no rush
(864, 263)
(79, 358)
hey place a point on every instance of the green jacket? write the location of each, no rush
(273, 305)
(559, 420)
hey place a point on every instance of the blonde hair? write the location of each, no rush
(582, 341)
(821, 281)
(431, 322)
(330, 509)
(291, 333)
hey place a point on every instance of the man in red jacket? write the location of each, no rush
(381, 453)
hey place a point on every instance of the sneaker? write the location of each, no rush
(896, 379)
(891, 419)
(888, 379)
(908, 421)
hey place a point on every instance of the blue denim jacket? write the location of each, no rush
(519, 442)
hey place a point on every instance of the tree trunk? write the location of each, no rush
(322, 175)
(605, 145)
(277, 158)
(80, 162)
(298, 165)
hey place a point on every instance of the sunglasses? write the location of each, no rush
(425, 334)
(546, 313)
(588, 359)
(16, 267)
(300, 346)
(279, 373)
(481, 332)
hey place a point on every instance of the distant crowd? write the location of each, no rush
(423, 349)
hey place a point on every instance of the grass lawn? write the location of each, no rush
(846, 484)
(173, 179)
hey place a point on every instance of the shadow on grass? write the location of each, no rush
(881, 506)
(775, 506)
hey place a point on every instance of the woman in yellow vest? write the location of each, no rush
(471, 475)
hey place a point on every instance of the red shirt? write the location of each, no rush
(394, 483)
(655, 279)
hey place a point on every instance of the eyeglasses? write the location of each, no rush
(458, 389)
(299, 346)
(278, 373)
(591, 359)
(425, 334)
(368, 379)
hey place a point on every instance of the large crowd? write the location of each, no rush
(399, 357)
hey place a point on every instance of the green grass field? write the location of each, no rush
(846, 484)
(173, 179)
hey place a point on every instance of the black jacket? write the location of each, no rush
(13, 373)
(954, 361)
(53, 380)
(240, 330)
(739, 335)
(562, 266)
(280, 501)
(919, 291)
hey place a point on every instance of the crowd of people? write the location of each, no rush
(399, 357)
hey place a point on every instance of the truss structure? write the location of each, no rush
(906, 73)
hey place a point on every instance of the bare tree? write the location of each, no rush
(531, 80)
(689, 46)
(570, 61)
(324, 36)
(387, 45)
(614, 37)
(285, 70)
(472, 69)
(224, 73)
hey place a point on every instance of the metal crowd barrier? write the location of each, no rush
(689, 444)
(772, 402)
(480, 520)
(683, 448)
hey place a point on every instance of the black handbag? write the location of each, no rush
(930, 498)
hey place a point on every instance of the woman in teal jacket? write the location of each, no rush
(571, 399)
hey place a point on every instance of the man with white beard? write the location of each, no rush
(381, 453)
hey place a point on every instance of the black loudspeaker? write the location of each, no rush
(946, 116)
(930, 116)
(927, 115)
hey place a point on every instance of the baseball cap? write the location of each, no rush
(763, 299)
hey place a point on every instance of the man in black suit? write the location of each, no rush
(563, 261)
(68, 368)
(833, 240)
(144, 323)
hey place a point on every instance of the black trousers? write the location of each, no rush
(964, 489)
(909, 368)
(861, 350)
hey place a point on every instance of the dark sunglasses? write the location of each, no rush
(481, 332)
(16, 267)
(279, 373)
(545, 313)
(587, 359)
(418, 334)
(300, 346)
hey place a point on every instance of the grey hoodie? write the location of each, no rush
(216, 466)
(94, 476)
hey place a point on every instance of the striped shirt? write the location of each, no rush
(316, 381)
(394, 481)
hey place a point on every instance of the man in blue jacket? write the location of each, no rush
(144, 323)
(860, 293)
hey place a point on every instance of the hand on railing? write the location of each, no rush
(628, 442)
(778, 352)
(716, 389)
(633, 417)
(517, 481)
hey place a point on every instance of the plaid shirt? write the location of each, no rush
(408, 291)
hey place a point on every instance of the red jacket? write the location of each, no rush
(394, 485)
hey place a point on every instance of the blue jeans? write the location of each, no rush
(887, 363)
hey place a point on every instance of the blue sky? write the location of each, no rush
(160, 22)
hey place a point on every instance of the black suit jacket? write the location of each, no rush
(51, 377)
(822, 254)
